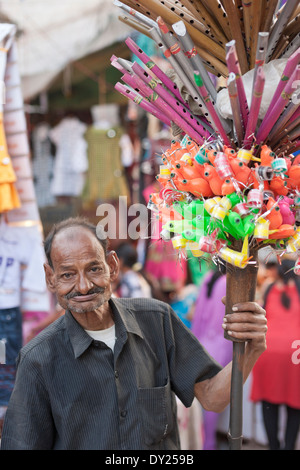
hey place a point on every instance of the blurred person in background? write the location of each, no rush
(276, 377)
(131, 283)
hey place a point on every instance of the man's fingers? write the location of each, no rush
(252, 307)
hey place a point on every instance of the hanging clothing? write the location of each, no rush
(105, 179)
(19, 248)
(42, 164)
(71, 161)
(9, 198)
(21, 267)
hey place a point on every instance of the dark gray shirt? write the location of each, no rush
(73, 392)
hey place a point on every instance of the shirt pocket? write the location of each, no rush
(155, 407)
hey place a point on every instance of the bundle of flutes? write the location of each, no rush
(200, 39)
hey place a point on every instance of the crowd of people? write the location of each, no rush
(276, 379)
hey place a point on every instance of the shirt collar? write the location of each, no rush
(124, 320)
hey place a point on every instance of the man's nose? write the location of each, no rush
(84, 284)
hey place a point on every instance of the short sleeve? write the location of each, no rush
(189, 361)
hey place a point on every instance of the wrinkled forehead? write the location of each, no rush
(76, 241)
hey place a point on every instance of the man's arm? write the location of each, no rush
(248, 322)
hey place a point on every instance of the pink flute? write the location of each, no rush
(155, 69)
(234, 66)
(141, 87)
(291, 64)
(143, 103)
(184, 113)
(255, 107)
(116, 64)
(283, 100)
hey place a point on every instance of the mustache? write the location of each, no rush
(95, 290)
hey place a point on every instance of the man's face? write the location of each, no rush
(81, 276)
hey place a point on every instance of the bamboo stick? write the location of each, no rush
(256, 15)
(247, 23)
(139, 17)
(281, 47)
(283, 19)
(294, 122)
(217, 10)
(217, 65)
(135, 25)
(264, 8)
(156, 8)
(202, 14)
(269, 15)
(293, 27)
(184, 14)
(292, 47)
(236, 33)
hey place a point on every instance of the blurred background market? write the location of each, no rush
(75, 144)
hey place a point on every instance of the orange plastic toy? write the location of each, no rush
(279, 186)
(275, 216)
(242, 172)
(199, 187)
(215, 182)
(266, 155)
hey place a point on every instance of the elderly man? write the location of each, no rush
(105, 374)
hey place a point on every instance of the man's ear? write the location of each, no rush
(49, 275)
(114, 265)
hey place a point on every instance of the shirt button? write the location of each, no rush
(123, 413)
(116, 374)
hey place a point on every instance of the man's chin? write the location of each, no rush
(86, 307)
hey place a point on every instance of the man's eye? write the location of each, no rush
(67, 275)
(96, 269)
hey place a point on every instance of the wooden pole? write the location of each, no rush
(240, 287)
